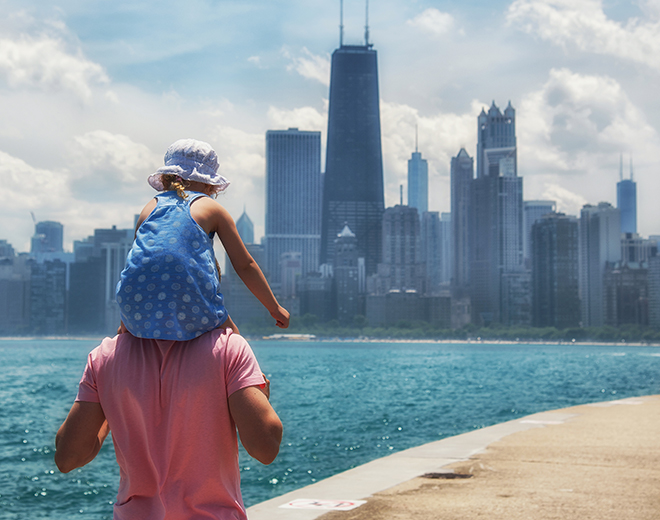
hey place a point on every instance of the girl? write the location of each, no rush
(169, 288)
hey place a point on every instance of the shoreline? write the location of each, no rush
(472, 341)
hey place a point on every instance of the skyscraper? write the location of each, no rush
(600, 244)
(496, 219)
(418, 182)
(293, 198)
(462, 174)
(245, 228)
(433, 252)
(554, 246)
(47, 237)
(402, 254)
(626, 201)
(353, 184)
(345, 267)
(496, 144)
(533, 210)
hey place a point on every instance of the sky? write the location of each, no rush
(93, 92)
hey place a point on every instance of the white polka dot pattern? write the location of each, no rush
(169, 288)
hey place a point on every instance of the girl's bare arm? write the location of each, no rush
(211, 216)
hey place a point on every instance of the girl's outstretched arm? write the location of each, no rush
(211, 216)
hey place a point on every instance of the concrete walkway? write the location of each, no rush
(599, 461)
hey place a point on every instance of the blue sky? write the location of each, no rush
(92, 93)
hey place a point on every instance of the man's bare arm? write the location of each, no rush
(81, 436)
(258, 425)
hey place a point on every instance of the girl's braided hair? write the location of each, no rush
(173, 182)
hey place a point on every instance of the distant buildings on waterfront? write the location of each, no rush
(333, 251)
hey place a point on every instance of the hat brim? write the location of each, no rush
(156, 182)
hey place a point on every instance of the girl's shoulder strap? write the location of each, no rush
(193, 196)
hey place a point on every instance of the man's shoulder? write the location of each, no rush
(224, 340)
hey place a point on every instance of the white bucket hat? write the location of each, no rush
(191, 160)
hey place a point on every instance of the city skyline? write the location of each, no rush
(93, 95)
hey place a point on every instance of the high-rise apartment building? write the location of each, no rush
(637, 250)
(462, 175)
(496, 221)
(346, 276)
(554, 246)
(353, 182)
(626, 201)
(654, 291)
(600, 244)
(435, 249)
(533, 210)
(418, 182)
(445, 249)
(402, 267)
(293, 198)
(48, 237)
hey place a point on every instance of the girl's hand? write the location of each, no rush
(281, 316)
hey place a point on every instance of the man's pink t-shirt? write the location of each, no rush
(166, 405)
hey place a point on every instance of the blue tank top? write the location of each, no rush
(169, 288)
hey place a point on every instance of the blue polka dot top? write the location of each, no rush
(169, 288)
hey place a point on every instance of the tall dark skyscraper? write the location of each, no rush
(353, 185)
(462, 174)
(533, 210)
(626, 201)
(496, 220)
(554, 246)
(293, 198)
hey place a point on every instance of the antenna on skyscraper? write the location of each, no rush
(341, 23)
(366, 26)
(621, 166)
(416, 141)
(631, 168)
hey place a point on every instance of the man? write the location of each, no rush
(173, 408)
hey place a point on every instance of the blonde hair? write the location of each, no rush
(173, 182)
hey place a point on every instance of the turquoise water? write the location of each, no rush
(342, 404)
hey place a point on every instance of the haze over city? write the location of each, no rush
(92, 94)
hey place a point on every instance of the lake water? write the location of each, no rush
(342, 404)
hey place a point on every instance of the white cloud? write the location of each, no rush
(575, 119)
(310, 66)
(570, 135)
(567, 201)
(433, 21)
(585, 26)
(45, 63)
(303, 118)
(100, 158)
(48, 194)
